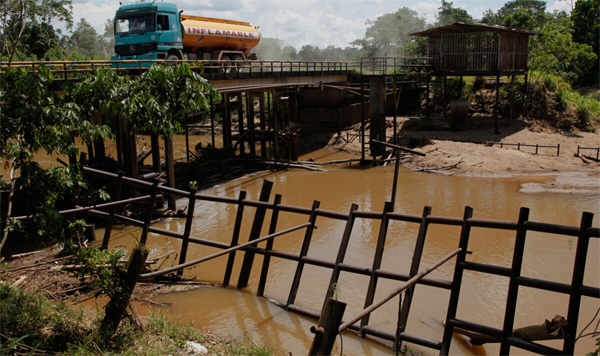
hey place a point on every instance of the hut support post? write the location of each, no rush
(497, 109)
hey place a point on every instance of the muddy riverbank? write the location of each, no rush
(477, 152)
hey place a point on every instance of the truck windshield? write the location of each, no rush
(134, 25)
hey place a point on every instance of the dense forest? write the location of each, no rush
(567, 45)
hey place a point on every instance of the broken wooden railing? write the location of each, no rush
(575, 290)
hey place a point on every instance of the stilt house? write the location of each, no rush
(474, 49)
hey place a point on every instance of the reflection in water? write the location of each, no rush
(234, 314)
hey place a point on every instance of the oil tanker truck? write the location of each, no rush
(158, 30)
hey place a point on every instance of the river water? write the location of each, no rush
(237, 314)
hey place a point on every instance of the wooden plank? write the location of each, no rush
(457, 280)
(303, 252)
(335, 274)
(235, 237)
(414, 269)
(387, 208)
(188, 228)
(513, 285)
(267, 258)
(259, 218)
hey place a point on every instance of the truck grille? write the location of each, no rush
(134, 49)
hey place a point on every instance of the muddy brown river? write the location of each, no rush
(238, 314)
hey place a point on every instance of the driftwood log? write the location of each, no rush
(549, 330)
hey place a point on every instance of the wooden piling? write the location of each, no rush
(414, 269)
(188, 228)
(581, 253)
(115, 309)
(387, 208)
(261, 106)
(259, 218)
(457, 280)
(335, 274)
(250, 114)
(303, 252)
(240, 110)
(111, 218)
(513, 285)
(267, 259)
(326, 332)
(235, 238)
(170, 171)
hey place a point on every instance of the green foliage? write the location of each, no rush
(448, 14)
(524, 14)
(29, 321)
(27, 26)
(553, 51)
(103, 267)
(35, 118)
(165, 94)
(390, 33)
(586, 30)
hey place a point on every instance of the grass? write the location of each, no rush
(30, 323)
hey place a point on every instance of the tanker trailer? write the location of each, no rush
(158, 30)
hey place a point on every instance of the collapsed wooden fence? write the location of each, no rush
(575, 290)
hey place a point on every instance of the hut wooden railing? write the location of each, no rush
(575, 290)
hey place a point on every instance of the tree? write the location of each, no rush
(524, 14)
(35, 118)
(17, 15)
(269, 49)
(390, 32)
(447, 15)
(289, 53)
(85, 40)
(108, 38)
(553, 51)
(586, 30)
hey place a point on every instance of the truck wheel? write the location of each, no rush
(238, 57)
(172, 57)
(226, 63)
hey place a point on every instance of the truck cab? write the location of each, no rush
(148, 31)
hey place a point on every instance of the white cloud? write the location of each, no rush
(559, 5)
(427, 9)
(95, 13)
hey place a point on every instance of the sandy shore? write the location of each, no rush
(471, 152)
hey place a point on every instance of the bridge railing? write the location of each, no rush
(213, 69)
(395, 65)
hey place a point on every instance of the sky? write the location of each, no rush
(300, 22)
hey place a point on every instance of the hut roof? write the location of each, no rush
(466, 27)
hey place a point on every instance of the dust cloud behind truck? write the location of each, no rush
(158, 30)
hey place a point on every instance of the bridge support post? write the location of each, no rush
(377, 99)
